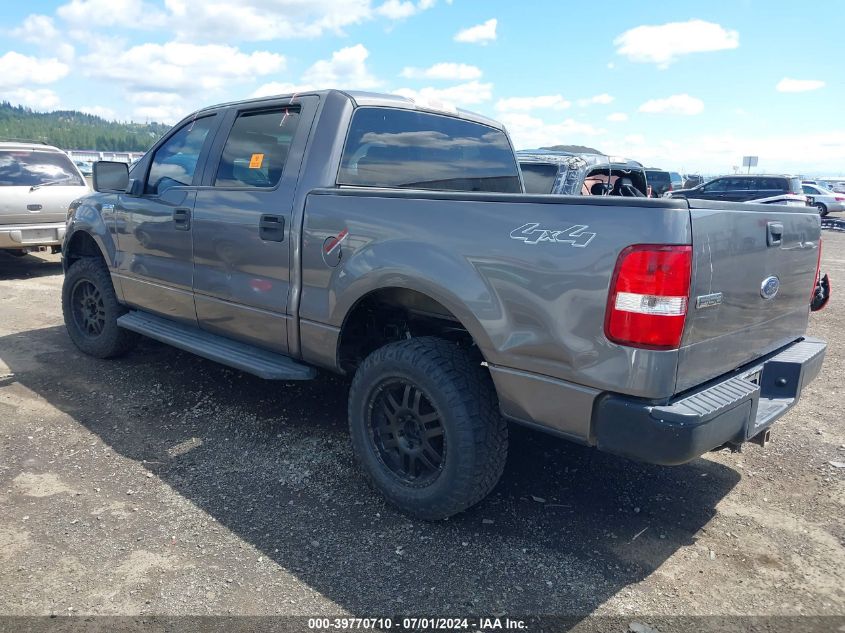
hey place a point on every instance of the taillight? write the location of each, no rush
(649, 293)
(839, 198)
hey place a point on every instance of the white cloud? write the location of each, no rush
(401, 9)
(135, 14)
(528, 131)
(602, 99)
(21, 70)
(42, 99)
(715, 153)
(181, 68)
(444, 70)
(260, 20)
(169, 114)
(788, 84)
(543, 102)
(617, 117)
(478, 34)
(346, 69)
(279, 88)
(100, 111)
(663, 44)
(676, 104)
(470, 93)
(41, 30)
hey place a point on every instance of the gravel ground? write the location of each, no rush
(161, 483)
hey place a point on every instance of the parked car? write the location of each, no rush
(742, 188)
(677, 180)
(37, 184)
(85, 167)
(824, 199)
(368, 235)
(567, 173)
(693, 180)
(659, 180)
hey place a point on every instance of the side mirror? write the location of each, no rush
(110, 177)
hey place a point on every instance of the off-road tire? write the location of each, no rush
(462, 392)
(112, 340)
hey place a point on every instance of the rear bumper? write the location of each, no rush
(15, 236)
(728, 410)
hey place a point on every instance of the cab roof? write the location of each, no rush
(372, 99)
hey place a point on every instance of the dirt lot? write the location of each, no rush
(161, 483)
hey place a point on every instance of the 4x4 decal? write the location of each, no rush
(574, 235)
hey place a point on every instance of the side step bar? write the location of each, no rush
(248, 358)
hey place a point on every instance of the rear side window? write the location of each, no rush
(26, 168)
(390, 147)
(538, 178)
(175, 162)
(257, 148)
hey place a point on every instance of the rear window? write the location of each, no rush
(389, 147)
(538, 178)
(25, 168)
(257, 148)
(661, 177)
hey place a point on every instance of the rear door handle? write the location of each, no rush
(774, 233)
(271, 228)
(182, 219)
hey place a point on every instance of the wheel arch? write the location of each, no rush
(389, 313)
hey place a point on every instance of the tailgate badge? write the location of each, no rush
(708, 301)
(769, 288)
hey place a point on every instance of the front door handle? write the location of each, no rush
(774, 233)
(182, 219)
(271, 228)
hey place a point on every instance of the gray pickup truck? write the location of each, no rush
(371, 236)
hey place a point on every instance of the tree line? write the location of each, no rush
(69, 129)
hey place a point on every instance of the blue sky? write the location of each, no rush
(683, 85)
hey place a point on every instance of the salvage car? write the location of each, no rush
(567, 173)
(391, 241)
(825, 200)
(37, 185)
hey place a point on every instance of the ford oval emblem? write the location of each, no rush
(769, 288)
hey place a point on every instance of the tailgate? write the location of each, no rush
(735, 253)
(22, 205)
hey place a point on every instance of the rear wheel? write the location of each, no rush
(822, 209)
(91, 309)
(426, 428)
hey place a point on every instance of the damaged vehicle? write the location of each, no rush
(392, 241)
(564, 173)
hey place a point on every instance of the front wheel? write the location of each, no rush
(426, 427)
(91, 309)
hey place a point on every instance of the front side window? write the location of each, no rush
(257, 148)
(28, 168)
(175, 162)
(391, 147)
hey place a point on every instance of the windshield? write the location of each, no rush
(27, 168)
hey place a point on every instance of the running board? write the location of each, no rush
(248, 358)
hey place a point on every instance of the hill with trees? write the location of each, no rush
(575, 149)
(69, 129)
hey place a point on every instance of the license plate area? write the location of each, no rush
(38, 235)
